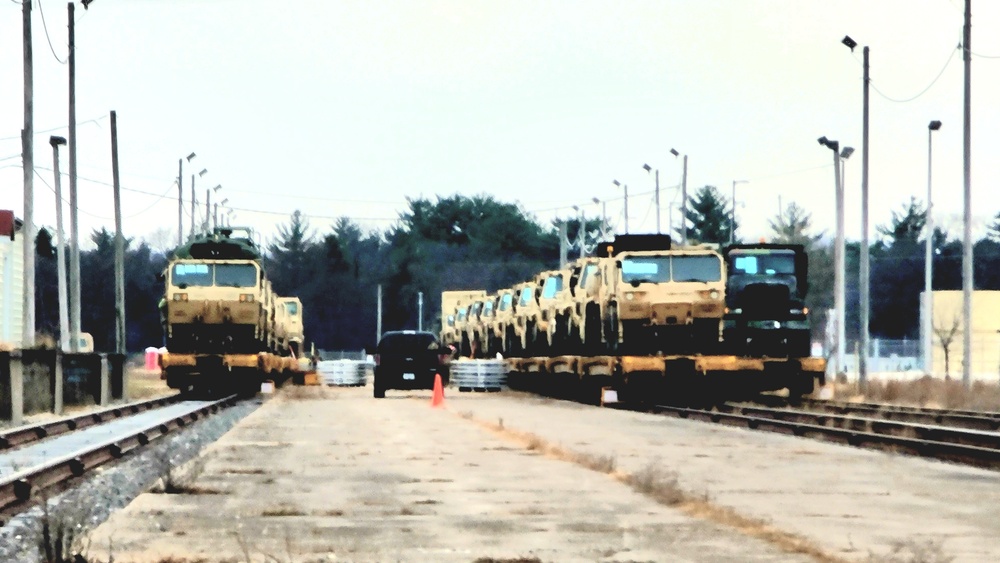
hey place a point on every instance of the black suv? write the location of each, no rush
(409, 359)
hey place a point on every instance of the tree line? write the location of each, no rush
(478, 242)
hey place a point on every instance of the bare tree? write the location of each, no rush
(946, 335)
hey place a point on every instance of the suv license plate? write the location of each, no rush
(409, 376)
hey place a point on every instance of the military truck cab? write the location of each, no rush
(765, 300)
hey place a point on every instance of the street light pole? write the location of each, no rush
(928, 318)
(60, 249)
(967, 271)
(648, 168)
(838, 257)
(684, 198)
(732, 215)
(180, 198)
(625, 186)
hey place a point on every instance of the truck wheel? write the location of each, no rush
(379, 392)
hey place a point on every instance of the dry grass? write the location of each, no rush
(913, 551)
(282, 510)
(661, 484)
(145, 384)
(926, 392)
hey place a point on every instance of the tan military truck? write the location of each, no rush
(669, 301)
(522, 331)
(585, 313)
(451, 303)
(472, 336)
(556, 305)
(503, 315)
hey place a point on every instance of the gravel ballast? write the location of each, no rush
(75, 512)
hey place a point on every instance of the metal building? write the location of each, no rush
(11, 282)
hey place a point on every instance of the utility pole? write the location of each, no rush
(838, 257)
(581, 235)
(378, 319)
(60, 248)
(928, 316)
(684, 204)
(208, 207)
(865, 281)
(194, 203)
(119, 244)
(563, 245)
(28, 169)
(420, 310)
(967, 281)
(180, 201)
(74, 224)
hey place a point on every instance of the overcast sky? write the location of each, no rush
(346, 108)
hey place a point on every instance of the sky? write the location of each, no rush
(348, 108)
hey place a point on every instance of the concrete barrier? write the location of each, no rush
(36, 381)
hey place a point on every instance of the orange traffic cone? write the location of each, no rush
(438, 399)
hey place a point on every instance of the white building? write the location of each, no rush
(11, 281)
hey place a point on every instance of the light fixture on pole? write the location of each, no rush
(648, 168)
(864, 281)
(838, 259)
(928, 317)
(625, 186)
(684, 197)
(63, 298)
(180, 197)
(215, 212)
(732, 215)
(208, 206)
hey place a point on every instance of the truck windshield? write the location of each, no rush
(505, 301)
(202, 275)
(650, 269)
(552, 286)
(235, 275)
(661, 269)
(292, 307)
(696, 268)
(764, 264)
(526, 294)
(191, 275)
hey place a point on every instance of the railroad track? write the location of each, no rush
(24, 435)
(960, 445)
(977, 420)
(30, 468)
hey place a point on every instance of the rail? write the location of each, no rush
(17, 488)
(24, 435)
(947, 444)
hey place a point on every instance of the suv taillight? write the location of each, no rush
(378, 360)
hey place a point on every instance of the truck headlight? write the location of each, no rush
(714, 294)
(629, 296)
(180, 297)
(246, 298)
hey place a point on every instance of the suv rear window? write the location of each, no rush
(407, 343)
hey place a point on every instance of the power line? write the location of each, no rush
(47, 38)
(924, 91)
(94, 120)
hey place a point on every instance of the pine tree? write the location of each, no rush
(708, 218)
